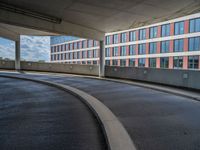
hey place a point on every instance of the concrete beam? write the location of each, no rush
(66, 28)
(5, 33)
(17, 55)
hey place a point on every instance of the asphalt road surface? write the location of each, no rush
(34, 116)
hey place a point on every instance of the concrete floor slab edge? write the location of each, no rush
(117, 137)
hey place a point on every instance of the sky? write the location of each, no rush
(33, 48)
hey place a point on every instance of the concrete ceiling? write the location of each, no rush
(93, 18)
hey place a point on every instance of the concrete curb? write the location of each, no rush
(116, 135)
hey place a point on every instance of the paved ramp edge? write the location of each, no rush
(117, 137)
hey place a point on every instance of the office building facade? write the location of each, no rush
(173, 44)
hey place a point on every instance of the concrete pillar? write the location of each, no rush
(17, 55)
(101, 59)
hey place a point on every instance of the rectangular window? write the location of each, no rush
(194, 44)
(70, 56)
(84, 44)
(178, 45)
(152, 47)
(132, 36)
(164, 47)
(141, 62)
(178, 62)
(115, 39)
(89, 53)
(94, 62)
(78, 55)
(195, 25)
(142, 49)
(107, 63)
(165, 30)
(90, 43)
(107, 52)
(179, 28)
(123, 37)
(71, 46)
(83, 62)
(115, 62)
(152, 62)
(123, 51)
(79, 44)
(95, 53)
(132, 62)
(108, 40)
(75, 45)
(132, 49)
(122, 62)
(95, 44)
(84, 54)
(164, 62)
(153, 32)
(193, 62)
(115, 51)
(142, 34)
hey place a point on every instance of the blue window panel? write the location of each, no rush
(142, 34)
(141, 62)
(194, 44)
(132, 36)
(115, 51)
(142, 49)
(195, 25)
(152, 48)
(178, 45)
(132, 50)
(115, 38)
(153, 32)
(123, 51)
(123, 37)
(179, 28)
(165, 30)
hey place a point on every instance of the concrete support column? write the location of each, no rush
(101, 59)
(17, 55)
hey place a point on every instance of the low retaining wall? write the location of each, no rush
(53, 67)
(179, 78)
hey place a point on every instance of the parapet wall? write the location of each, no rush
(174, 77)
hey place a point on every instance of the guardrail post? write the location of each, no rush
(101, 59)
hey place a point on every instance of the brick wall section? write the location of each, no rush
(170, 62)
(171, 29)
(171, 46)
(147, 33)
(185, 62)
(147, 52)
(159, 31)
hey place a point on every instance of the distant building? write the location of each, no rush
(173, 44)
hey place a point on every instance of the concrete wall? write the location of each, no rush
(53, 67)
(180, 78)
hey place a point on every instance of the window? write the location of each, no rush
(84, 44)
(78, 55)
(79, 44)
(153, 32)
(142, 34)
(194, 44)
(115, 51)
(132, 62)
(71, 46)
(152, 48)
(107, 63)
(123, 51)
(164, 62)
(70, 56)
(123, 37)
(89, 53)
(141, 62)
(195, 25)
(132, 36)
(115, 62)
(74, 55)
(90, 43)
(95, 53)
(115, 39)
(132, 49)
(152, 62)
(193, 62)
(178, 45)
(94, 62)
(107, 40)
(83, 62)
(178, 62)
(122, 62)
(75, 45)
(179, 28)
(164, 47)
(84, 54)
(142, 49)
(95, 44)
(107, 52)
(165, 30)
